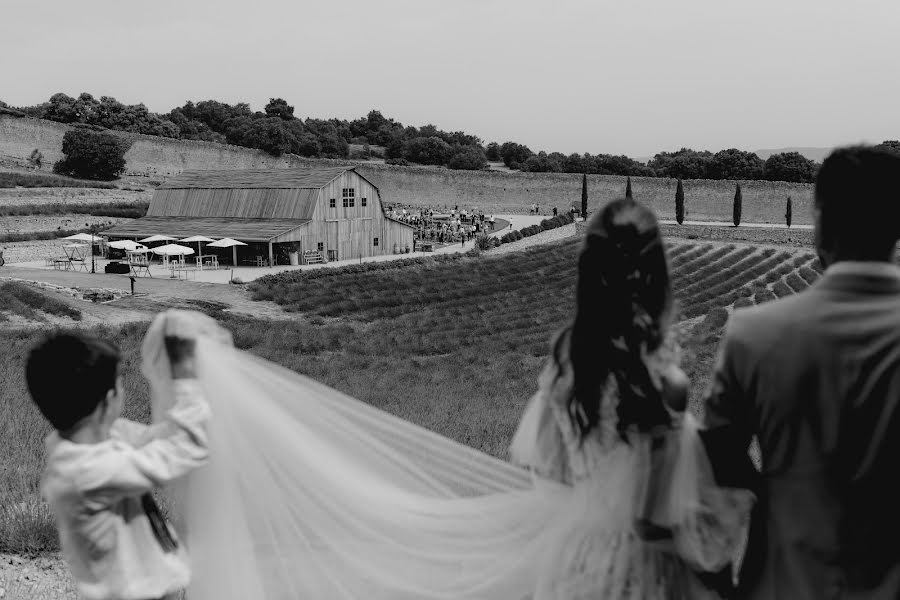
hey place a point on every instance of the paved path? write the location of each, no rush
(731, 224)
(544, 237)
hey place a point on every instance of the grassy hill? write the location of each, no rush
(453, 344)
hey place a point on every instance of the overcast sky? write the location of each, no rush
(628, 76)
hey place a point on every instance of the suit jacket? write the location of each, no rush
(816, 377)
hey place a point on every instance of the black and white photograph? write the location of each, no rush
(449, 300)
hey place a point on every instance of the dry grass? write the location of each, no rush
(30, 180)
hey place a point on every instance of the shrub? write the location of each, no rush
(91, 155)
(787, 212)
(467, 158)
(743, 302)
(628, 189)
(398, 162)
(738, 200)
(679, 203)
(584, 197)
(483, 242)
(36, 159)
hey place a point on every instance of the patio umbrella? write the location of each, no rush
(127, 245)
(84, 237)
(228, 243)
(199, 239)
(173, 250)
(157, 238)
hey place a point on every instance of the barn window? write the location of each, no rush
(362, 202)
(349, 195)
(332, 203)
(320, 246)
(376, 241)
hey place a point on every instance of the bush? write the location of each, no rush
(36, 159)
(483, 242)
(397, 162)
(787, 212)
(738, 201)
(467, 158)
(91, 155)
(679, 203)
(743, 302)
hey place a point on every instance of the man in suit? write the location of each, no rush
(816, 378)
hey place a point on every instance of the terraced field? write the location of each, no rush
(518, 301)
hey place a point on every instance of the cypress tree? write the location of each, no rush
(628, 189)
(787, 212)
(738, 199)
(679, 203)
(584, 197)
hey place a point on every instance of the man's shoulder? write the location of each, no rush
(773, 318)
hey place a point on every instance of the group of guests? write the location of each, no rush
(461, 226)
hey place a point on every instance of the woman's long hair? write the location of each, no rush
(623, 303)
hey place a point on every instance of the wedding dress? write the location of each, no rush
(312, 494)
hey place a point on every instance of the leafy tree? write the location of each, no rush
(333, 145)
(584, 197)
(543, 163)
(890, 146)
(787, 212)
(91, 155)
(682, 164)
(427, 151)
(628, 188)
(789, 166)
(738, 201)
(469, 158)
(679, 203)
(493, 152)
(736, 164)
(513, 153)
(278, 107)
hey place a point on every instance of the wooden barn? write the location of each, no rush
(329, 213)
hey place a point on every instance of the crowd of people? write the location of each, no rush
(452, 226)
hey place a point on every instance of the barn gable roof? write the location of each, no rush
(293, 178)
(244, 230)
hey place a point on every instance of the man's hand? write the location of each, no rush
(181, 356)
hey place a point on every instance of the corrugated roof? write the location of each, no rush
(244, 230)
(293, 178)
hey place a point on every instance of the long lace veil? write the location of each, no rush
(312, 494)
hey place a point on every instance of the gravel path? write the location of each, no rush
(544, 237)
(41, 578)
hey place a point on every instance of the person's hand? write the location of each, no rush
(181, 356)
(675, 389)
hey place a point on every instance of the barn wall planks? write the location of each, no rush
(350, 231)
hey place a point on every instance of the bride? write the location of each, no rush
(312, 494)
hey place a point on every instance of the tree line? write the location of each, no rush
(277, 130)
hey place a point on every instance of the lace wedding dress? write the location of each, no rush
(312, 494)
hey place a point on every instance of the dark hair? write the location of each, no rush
(623, 299)
(856, 189)
(68, 376)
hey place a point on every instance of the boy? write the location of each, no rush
(101, 469)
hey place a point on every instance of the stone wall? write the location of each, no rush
(147, 155)
(498, 192)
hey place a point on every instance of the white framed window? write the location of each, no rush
(376, 241)
(321, 245)
(332, 203)
(349, 196)
(363, 202)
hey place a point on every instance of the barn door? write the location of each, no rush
(332, 243)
